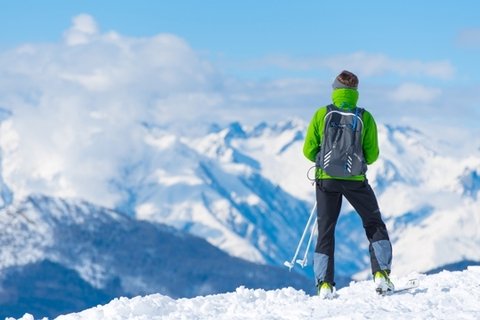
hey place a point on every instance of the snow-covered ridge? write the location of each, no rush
(94, 254)
(447, 295)
(101, 245)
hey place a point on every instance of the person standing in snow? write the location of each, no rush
(342, 140)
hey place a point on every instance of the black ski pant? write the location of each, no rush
(329, 201)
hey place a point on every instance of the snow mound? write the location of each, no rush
(446, 295)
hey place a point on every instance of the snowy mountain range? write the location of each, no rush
(244, 190)
(58, 256)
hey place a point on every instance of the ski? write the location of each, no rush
(410, 284)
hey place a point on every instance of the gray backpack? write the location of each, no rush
(341, 152)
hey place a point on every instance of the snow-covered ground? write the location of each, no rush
(446, 295)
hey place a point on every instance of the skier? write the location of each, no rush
(342, 140)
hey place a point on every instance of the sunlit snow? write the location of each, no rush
(447, 295)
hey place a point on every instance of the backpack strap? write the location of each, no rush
(358, 114)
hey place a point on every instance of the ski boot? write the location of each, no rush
(325, 290)
(382, 282)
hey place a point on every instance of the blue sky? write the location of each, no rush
(409, 47)
(410, 29)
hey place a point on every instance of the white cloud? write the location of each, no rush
(412, 92)
(78, 107)
(83, 29)
(368, 64)
(378, 64)
(97, 80)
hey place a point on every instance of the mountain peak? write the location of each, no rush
(235, 130)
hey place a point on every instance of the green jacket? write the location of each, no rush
(343, 98)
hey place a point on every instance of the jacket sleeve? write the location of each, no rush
(313, 138)
(371, 150)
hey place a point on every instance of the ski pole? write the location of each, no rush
(291, 264)
(303, 262)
